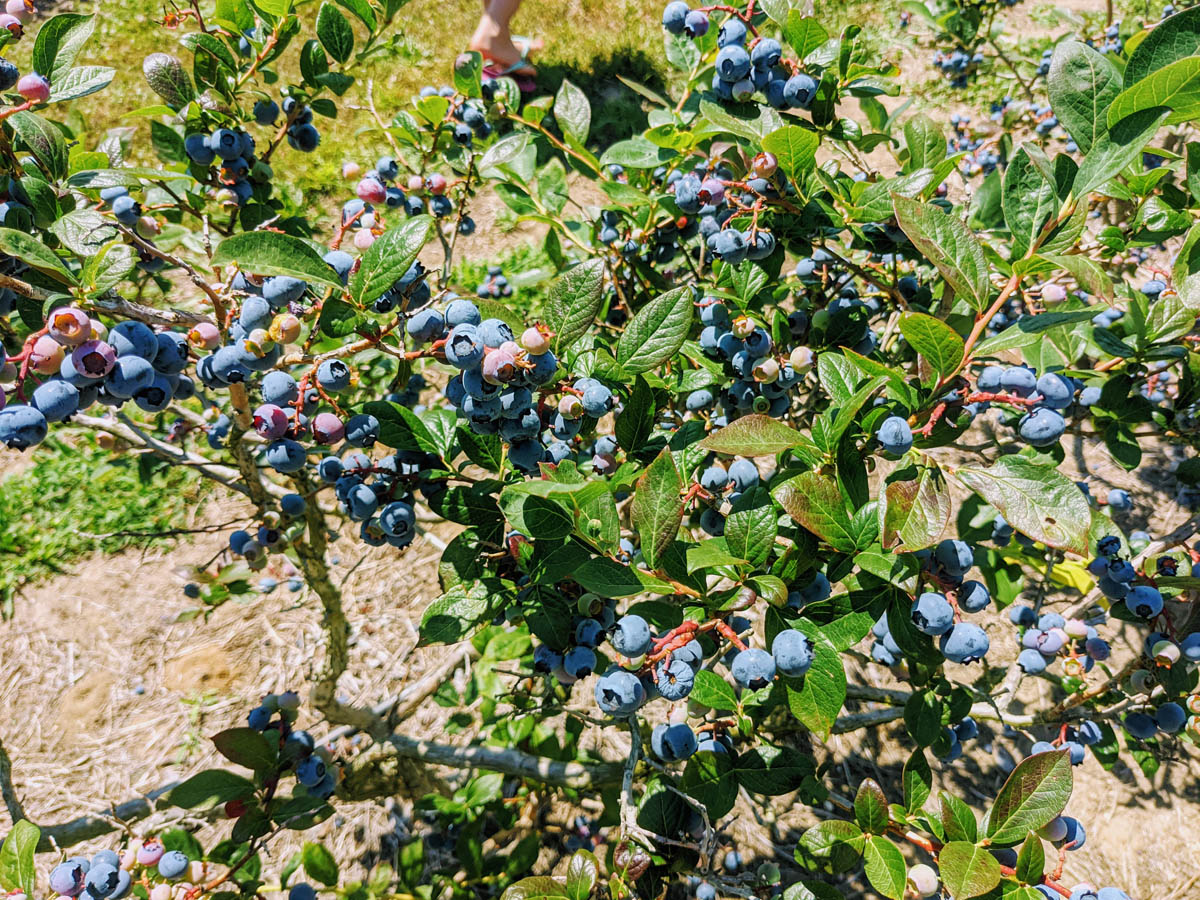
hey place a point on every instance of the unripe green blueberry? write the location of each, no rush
(922, 880)
(801, 360)
(743, 327)
(766, 371)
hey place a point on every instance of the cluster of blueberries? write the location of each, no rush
(472, 122)
(494, 286)
(83, 362)
(958, 65)
(380, 186)
(706, 195)
(932, 612)
(982, 157)
(1113, 42)
(311, 764)
(1044, 637)
(109, 875)
(663, 666)
(740, 72)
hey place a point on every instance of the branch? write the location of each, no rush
(15, 811)
(117, 305)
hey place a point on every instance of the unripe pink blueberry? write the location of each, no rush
(371, 190)
(128, 857)
(511, 347)
(923, 880)
(1076, 628)
(327, 428)
(499, 367)
(285, 328)
(20, 9)
(34, 87)
(363, 239)
(46, 355)
(743, 327)
(415, 183)
(95, 359)
(570, 406)
(11, 24)
(801, 360)
(204, 336)
(765, 165)
(436, 183)
(766, 371)
(351, 170)
(69, 326)
(150, 853)
(147, 227)
(270, 421)
(99, 330)
(258, 342)
(1054, 293)
(161, 892)
(534, 341)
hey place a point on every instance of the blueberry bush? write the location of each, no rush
(779, 454)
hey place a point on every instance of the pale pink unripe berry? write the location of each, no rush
(766, 371)
(147, 227)
(196, 871)
(511, 347)
(922, 880)
(499, 367)
(258, 342)
(128, 858)
(33, 87)
(161, 892)
(99, 330)
(20, 9)
(570, 407)
(150, 853)
(534, 341)
(765, 165)
(270, 421)
(46, 356)
(1054, 293)
(11, 24)
(204, 336)
(327, 428)
(363, 239)
(69, 326)
(94, 359)
(742, 327)
(1193, 703)
(1076, 628)
(370, 190)
(285, 328)
(415, 183)
(351, 170)
(801, 360)
(436, 183)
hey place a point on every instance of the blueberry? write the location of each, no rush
(674, 15)
(793, 652)
(1140, 725)
(973, 596)
(1119, 500)
(743, 474)
(733, 62)
(753, 668)
(310, 770)
(799, 90)
(895, 436)
(1042, 427)
(619, 693)
(579, 662)
(1144, 601)
(675, 678)
(964, 643)
(932, 614)
(302, 891)
(173, 864)
(631, 637)
(67, 878)
(956, 557)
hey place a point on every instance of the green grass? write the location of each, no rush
(77, 499)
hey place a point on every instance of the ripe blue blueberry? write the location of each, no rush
(932, 613)
(753, 668)
(619, 693)
(631, 637)
(793, 652)
(895, 436)
(172, 865)
(964, 643)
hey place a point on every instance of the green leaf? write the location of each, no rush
(319, 864)
(455, 614)
(1082, 85)
(246, 747)
(926, 142)
(44, 141)
(636, 153)
(816, 502)
(1031, 860)
(80, 82)
(923, 717)
(967, 870)
(712, 553)
(1176, 86)
(795, 148)
(917, 778)
(635, 423)
(1035, 792)
(335, 33)
(1030, 330)
(958, 820)
(572, 112)
(1118, 147)
(758, 435)
(819, 700)
(836, 841)
(167, 142)
(773, 770)
(707, 780)
(870, 807)
(657, 332)
(1091, 277)
(884, 867)
(713, 691)
(657, 507)
(1027, 198)
(167, 78)
(58, 43)
(212, 787)
(949, 245)
(485, 450)
(1036, 500)
(804, 33)
(362, 10)
(536, 887)
(751, 526)
(386, 260)
(1172, 39)
(17, 868)
(914, 511)
(339, 319)
(583, 871)
(34, 253)
(572, 302)
(934, 339)
(609, 578)
(272, 253)
(204, 44)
